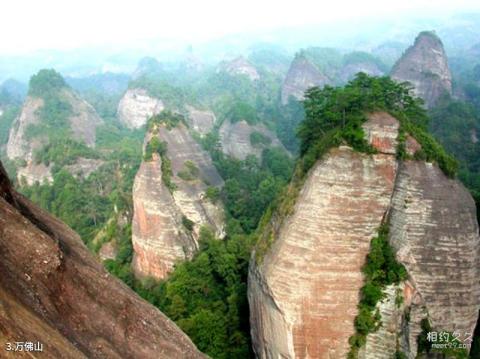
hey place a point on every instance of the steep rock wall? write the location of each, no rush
(300, 77)
(52, 290)
(137, 106)
(160, 239)
(425, 66)
(83, 123)
(435, 233)
(201, 121)
(235, 139)
(323, 253)
(304, 291)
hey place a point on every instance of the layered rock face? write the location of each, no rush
(235, 139)
(54, 292)
(201, 121)
(241, 66)
(303, 292)
(83, 123)
(159, 233)
(425, 66)
(301, 76)
(434, 230)
(137, 106)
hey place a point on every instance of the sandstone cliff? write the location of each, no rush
(300, 77)
(236, 139)
(240, 66)
(162, 216)
(304, 290)
(82, 122)
(54, 292)
(425, 66)
(136, 107)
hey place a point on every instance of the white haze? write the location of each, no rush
(89, 36)
(28, 25)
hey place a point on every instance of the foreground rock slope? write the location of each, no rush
(304, 290)
(53, 291)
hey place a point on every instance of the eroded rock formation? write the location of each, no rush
(137, 106)
(236, 139)
(83, 122)
(201, 121)
(425, 66)
(54, 292)
(162, 215)
(240, 66)
(301, 76)
(304, 290)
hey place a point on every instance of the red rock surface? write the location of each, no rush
(303, 292)
(52, 290)
(159, 237)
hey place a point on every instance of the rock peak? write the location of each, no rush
(425, 66)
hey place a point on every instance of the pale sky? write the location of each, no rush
(27, 25)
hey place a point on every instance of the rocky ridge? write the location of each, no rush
(240, 66)
(322, 246)
(425, 66)
(301, 76)
(162, 215)
(137, 106)
(83, 123)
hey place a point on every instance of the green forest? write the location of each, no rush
(207, 296)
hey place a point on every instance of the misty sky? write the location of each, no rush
(54, 24)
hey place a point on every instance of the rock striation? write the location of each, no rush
(236, 140)
(304, 290)
(160, 232)
(53, 291)
(425, 66)
(301, 76)
(137, 106)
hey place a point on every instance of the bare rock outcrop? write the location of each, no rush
(434, 230)
(53, 291)
(304, 289)
(162, 216)
(33, 173)
(201, 121)
(83, 122)
(240, 66)
(425, 66)
(301, 76)
(18, 146)
(236, 139)
(137, 106)
(84, 167)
